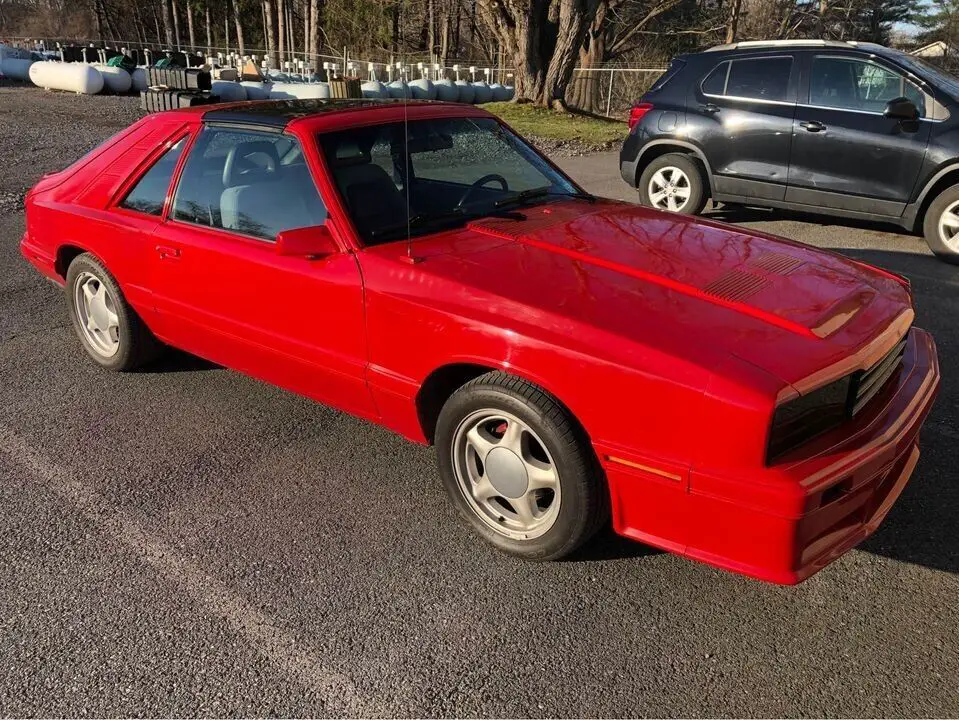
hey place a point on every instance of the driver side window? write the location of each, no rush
(851, 84)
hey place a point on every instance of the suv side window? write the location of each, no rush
(765, 78)
(149, 194)
(249, 182)
(852, 84)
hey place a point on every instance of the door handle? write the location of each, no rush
(167, 252)
(812, 125)
(709, 108)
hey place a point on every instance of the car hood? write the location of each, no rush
(694, 288)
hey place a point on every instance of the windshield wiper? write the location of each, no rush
(523, 196)
(538, 192)
(416, 221)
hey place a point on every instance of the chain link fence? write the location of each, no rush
(609, 91)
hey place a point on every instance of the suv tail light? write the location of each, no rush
(636, 113)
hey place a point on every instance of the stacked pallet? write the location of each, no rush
(171, 88)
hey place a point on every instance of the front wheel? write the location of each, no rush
(673, 183)
(941, 225)
(518, 468)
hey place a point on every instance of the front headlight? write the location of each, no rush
(799, 420)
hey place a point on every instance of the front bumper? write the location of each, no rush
(785, 523)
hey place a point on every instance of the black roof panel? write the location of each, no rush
(279, 113)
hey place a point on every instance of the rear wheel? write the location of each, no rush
(518, 468)
(108, 328)
(941, 225)
(673, 183)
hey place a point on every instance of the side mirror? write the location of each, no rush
(309, 242)
(901, 109)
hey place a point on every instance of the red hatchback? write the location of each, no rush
(726, 395)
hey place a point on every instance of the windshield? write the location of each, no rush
(930, 73)
(457, 169)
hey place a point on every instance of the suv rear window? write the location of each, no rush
(765, 78)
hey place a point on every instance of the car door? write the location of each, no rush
(845, 153)
(743, 113)
(223, 292)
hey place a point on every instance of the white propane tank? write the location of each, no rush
(482, 93)
(256, 90)
(374, 89)
(116, 80)
(446, 91)
(399, 89)
(466, 92)
(423, 89)
(73, 77)
(139, 79)
(16, 68)
(300, 91)
(228, 91)
(500, 93)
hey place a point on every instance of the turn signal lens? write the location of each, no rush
(636, 113)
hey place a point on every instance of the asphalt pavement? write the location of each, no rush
(188, 541)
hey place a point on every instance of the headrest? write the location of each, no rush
(349, 152)
(253, 157)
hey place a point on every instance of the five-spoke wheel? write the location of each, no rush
(109, 329)
(941, 225)
(519, 468)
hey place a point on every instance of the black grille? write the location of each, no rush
(866, 384)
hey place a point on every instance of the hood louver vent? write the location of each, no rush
(735, 285)
(775, 263)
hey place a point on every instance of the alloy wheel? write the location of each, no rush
(669, 189)
(96, 310)
(949, 227)
(506, 474)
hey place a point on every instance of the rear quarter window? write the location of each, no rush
(672, 71)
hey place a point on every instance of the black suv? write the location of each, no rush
(841, 128)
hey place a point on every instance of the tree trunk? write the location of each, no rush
(585, 89)
(168, 23)
(238, 24)
(209, 28)
(269, 32)
(189, 26)
(176, 24)
(316, 20)
(98, 18)
(281, 32)
(732, 25)
(395, 44)
(542, 39)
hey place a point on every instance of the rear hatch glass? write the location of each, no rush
(674, 67)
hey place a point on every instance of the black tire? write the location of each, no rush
(690, 168)
(930, 225)
(584, 498)
(136, 344)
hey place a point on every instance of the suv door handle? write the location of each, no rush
(813, 125)
(709, 108)
(167, 252)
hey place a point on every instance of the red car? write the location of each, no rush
(726, 395)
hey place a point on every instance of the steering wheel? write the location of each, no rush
(492, 177)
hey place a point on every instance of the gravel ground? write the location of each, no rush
(187, 541)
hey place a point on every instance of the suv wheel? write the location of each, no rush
(941, 225)
(673, 183)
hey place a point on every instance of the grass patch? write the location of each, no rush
(536, 122)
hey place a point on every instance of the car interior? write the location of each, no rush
(253, 184)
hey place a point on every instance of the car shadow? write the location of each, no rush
(607, 545)
(921, 528)
(741, 214)
(177, 361)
